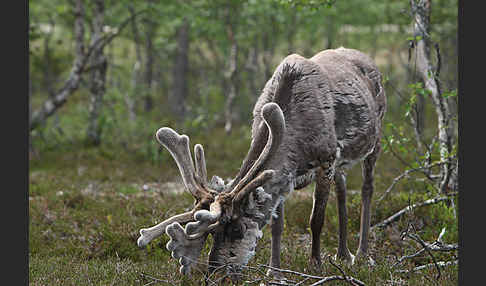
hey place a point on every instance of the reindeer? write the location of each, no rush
(315, 119)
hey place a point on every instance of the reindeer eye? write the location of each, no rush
(224, 219)
(235, 231)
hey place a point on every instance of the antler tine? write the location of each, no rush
(201, 172)
(255, 183)
(205, 220)
(274, 119)
(251, 186)
(178, 146)
(256, 148)
(148, 234)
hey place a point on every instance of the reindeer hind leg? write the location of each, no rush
(368, 167)
(343, 251)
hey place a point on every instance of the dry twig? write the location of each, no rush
(407, 172)
(398, 214)
(422, 267)
(437, 245)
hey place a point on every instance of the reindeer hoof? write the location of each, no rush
(315, 263)
(348, 258)
(365, 258)
(275, 274)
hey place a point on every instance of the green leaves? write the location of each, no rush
(447, 94)
(414, 38)
(415, 89)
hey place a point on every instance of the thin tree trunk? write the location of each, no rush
(81, 57)
(48, 77)
(374, 42)
(149, 64)
(331, 31)
(418, 116)
(252, 69)
(97, 90)
(269, 48)
(231, 77)
(130, 97)
(231, 72)
(181, 71)
(98, 76)
(291, 30)
(72, 83)
(267, 55)
(421, 10)
(136, 35)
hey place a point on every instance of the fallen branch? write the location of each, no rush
(351, 280)
(290, 272)
(322, 280)
(424, 245)
(397, 215)
(422, 267)
(336, 277)
(437, 245)
(406, 173)
(432, 247)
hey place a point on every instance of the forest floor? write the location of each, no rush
(86, 206)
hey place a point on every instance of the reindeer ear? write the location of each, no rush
(217, 184)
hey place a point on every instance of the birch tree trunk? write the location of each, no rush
(231, 73)
(130, 97)
(47, 75)
(72, 83)
(231, 77)
(97, 76)
(48, 78)
(81, 57)
(421, 10)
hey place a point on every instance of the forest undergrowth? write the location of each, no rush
(86, 206)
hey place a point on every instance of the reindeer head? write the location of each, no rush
(233, 214)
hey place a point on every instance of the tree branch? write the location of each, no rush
(50, 106)
(406, 173)
(397, 215)
(422, 267)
